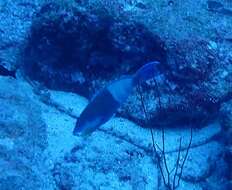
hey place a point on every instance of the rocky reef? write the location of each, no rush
(62, 50)
(79, 50)
(23, 138)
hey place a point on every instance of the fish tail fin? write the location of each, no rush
(146, 72)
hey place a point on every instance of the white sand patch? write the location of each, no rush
(70, 101)
(59, 134)
(142, 137)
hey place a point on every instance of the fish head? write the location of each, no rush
(86, 128)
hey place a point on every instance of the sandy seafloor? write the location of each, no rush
(39, 151)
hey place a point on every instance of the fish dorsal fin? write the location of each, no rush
(109, 84)
(123, 77)
(96, 94)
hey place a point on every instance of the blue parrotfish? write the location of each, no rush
(105, 103)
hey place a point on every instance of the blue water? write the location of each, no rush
(121, 95)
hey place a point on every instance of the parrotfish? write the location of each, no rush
(106, 102)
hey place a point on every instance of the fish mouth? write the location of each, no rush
(76, 132)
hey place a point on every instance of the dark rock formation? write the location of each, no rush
(72, 49)
(183, 95)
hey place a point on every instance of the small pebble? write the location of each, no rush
(212, 45)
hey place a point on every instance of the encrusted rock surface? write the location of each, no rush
(23, 137)
(66, 44)
(37, 148)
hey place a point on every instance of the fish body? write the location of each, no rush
(106, 102)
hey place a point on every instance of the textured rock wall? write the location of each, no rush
(193, 41)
